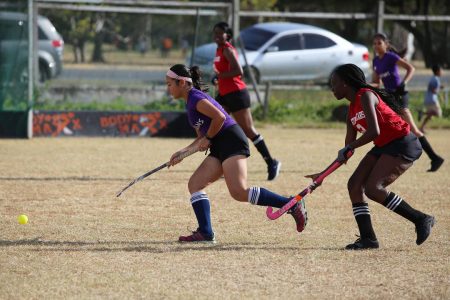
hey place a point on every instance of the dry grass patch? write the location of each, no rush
(83, 242)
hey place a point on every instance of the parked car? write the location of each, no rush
(14, 46)
(281, 51)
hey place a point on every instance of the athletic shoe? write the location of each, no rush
(198, 237)
(362, 244)
(273, 169)
(423, 229)
(436, 164)
(300, 215)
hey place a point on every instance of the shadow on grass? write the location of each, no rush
(88, 178)
(147, 246)
(69, 178)
(74, 178)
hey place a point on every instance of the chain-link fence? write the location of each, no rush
(14, 57)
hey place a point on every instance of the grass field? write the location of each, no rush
(82, 242)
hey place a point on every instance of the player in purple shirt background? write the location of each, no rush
(228, 146)
(385, 66)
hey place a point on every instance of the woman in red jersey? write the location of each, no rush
(233, 94)
(373, 113)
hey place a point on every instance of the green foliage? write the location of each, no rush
(258, 4)
(291, 108)
(306, 108)
(299, 108)
(165, 104)
(118, 104)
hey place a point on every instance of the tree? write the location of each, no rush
(99, 35)
(75, 27)
(81, 32)
(432, 36)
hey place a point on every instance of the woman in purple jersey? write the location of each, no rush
(228, 145)
(385, 66)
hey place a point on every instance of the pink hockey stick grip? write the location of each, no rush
(275, 215)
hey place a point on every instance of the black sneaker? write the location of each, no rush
(273, 169)
(423, 229)
(436, 164)
(362, 244)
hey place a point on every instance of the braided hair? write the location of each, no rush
(194, 73)
(354, 77)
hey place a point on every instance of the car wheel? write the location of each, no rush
(44, 73)
(255, 74)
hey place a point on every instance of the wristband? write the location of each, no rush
(208, 138)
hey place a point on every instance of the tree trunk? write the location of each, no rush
(97, 55)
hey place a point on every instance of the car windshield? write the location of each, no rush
(254, 38)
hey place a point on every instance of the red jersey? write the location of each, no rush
(392, 126)
(230, 84)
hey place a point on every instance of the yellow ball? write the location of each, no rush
(22, 219)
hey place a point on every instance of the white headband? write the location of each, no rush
(174, 75)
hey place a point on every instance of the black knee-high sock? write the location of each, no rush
(362, 216)
(427, 148)
(259, 143)
(399, 206)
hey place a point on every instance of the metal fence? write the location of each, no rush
(135, 58)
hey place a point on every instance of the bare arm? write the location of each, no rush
(369, 101)
(235, 67)
(408, 67)
(217, 117)
(376, 81)
(350, 136)
(201, 143)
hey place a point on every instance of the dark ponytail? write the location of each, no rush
(390, 47)
(194, 73)
(197, 81)
(354, 77)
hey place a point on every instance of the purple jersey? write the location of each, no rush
(387, 70)
(200, 121)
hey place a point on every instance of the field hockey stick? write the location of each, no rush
(181, 156)
(318, 181)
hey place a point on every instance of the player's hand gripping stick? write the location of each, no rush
(164, 165)
(318, 181)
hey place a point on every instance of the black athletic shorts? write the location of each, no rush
(235, 101)
(402, 97)
(407, 147)
(232, 141)
(404, 100)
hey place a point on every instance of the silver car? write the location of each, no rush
(14, 43)
(281, 51)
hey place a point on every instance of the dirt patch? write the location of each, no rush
(83, 242)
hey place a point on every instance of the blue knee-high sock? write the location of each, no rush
(263, 197)
(200, 204)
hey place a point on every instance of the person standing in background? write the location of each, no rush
(431, 100)
(233, 94)
(385, 66)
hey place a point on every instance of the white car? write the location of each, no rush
(281, 51)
